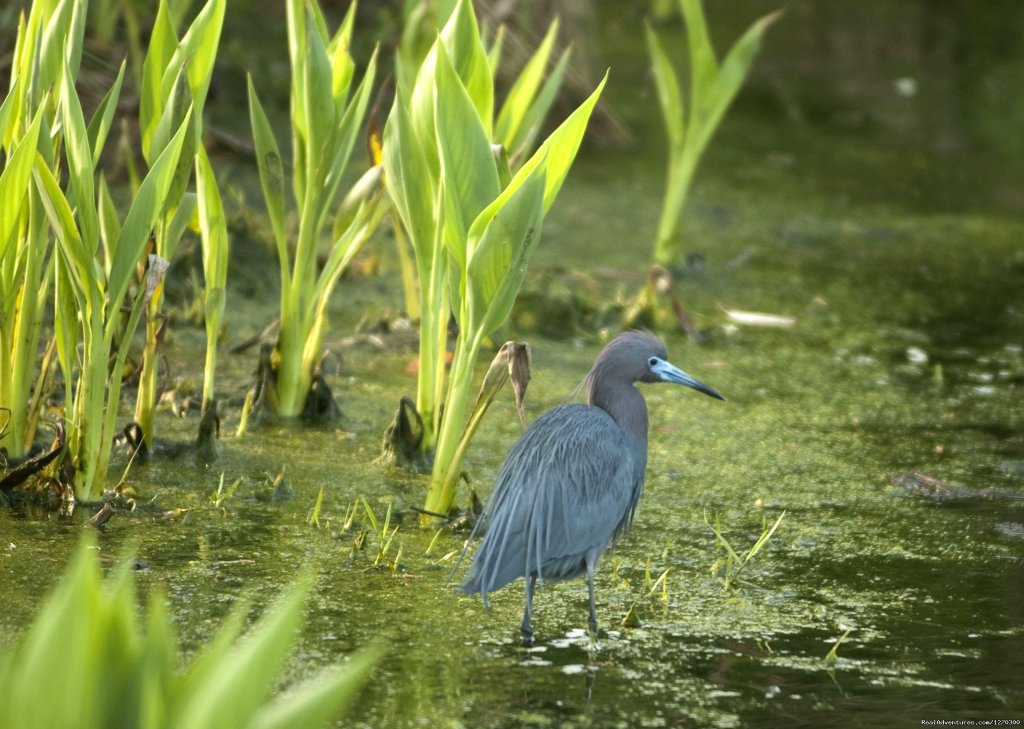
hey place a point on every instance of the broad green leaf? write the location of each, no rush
(468, 56)
(502, 241)
(314, 702)
(52, 50)
(60, 640)
(319, 23)
(703, 65)
(523, 91)
(730, 78)
(494, 52)
(345, 135)
(198, 51)
(99, 125)
(294, 11)
(162, 43)
(212, 223)
(271, 169)
(421, 111)
(76, 38)
(231, 695)
(10, 112)
(174, 106)
(147, 206)
(79, 265)
(407, 179)
(14, 181)
(467, 161)
(110, 224)
(342, 66)
(80, 164)
(530, 127)
(559, 149)
(318, 105)
(667, 84)
(344, 249)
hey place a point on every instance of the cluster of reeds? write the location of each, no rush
(467, 180)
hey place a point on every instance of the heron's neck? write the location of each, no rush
(626, 406)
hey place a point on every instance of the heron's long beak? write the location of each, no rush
(668, 372)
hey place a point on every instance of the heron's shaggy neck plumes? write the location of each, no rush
(623, 402)
(610, 383)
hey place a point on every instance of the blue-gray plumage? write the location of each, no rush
(570, 485)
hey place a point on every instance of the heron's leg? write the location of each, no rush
(590, 589)
(526, 630)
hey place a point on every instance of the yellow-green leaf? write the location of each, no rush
(148, 204)
(468, 56)
(667, 84)
(502, 240)
(14, 181)
(271, 171)
(523, 91)
(467, 162)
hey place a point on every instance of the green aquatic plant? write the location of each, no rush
(473, 223)
(327, 111)
(832, 657)
(515, 129)
(95, 268)
(47, 41)
(651, 588)
(222, 494)
(731, 564)
(121, 670)
(213, 232)
(691, 122)
(384, 536)
(175, 80)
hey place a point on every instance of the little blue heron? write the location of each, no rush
(570, 485)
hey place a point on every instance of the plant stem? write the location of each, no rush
(448, 457)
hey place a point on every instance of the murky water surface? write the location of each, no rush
(906, 355)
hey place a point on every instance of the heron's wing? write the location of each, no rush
(567, 487)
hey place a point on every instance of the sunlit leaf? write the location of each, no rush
(703, 64)
(730, 78)
(667, 84)
(406, 171)
(102, 118)
(530, 126)
(14, 181)
(502, 240)
(468, 57)
(271, 171)
(80, 165)
(559, 150)
(148, 204)
(162, 43)
(523, 91)
(317, 102)
(467, 162)
(197, 51)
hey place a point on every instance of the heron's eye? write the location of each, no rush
(652, 361)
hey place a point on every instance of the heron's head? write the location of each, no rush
(638, 356)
